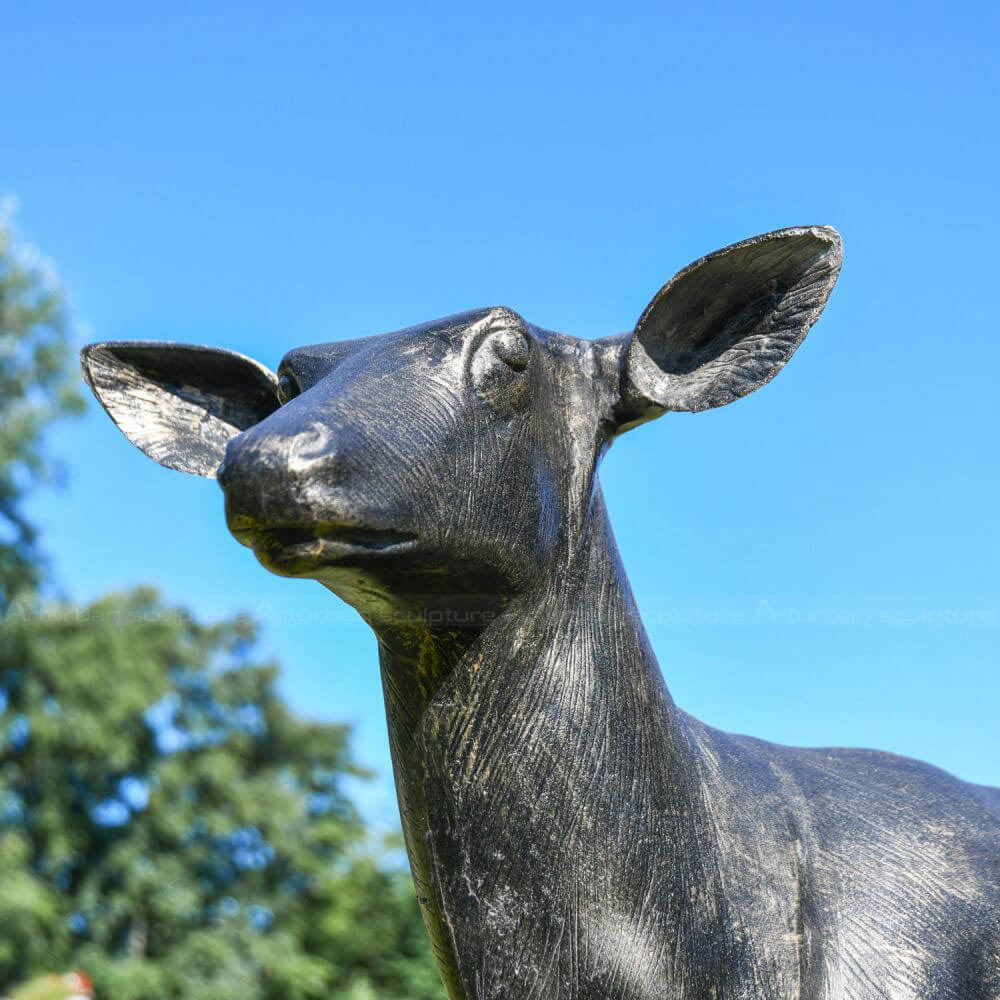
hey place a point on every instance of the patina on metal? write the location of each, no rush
(573, 835)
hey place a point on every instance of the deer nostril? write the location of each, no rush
(309, 445)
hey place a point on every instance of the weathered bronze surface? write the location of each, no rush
(574, 835)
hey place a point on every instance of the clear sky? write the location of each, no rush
(816, 564)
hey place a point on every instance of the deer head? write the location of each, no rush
(456, 456)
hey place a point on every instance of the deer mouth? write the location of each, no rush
(354, 537)
(293, 548)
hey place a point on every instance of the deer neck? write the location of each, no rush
(539, 750)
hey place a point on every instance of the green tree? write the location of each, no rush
(36, 386)
(168, 826)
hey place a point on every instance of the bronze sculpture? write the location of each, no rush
(572, 833)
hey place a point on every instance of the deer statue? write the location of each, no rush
(573, 835)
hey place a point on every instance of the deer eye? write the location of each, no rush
(288, 387)
(500, 369)
(512, 349)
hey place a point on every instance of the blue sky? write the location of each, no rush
(817, 564)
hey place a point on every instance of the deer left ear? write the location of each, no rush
(178, 403)
(727, 323)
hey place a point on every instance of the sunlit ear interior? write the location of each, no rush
(178, 403)
(727, 323)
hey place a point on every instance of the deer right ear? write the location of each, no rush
(177, 403)
(726, 324)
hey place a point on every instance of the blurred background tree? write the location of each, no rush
(37, 384)
(167, 825)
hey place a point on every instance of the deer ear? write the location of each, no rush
(177, 403)
(727, 323)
